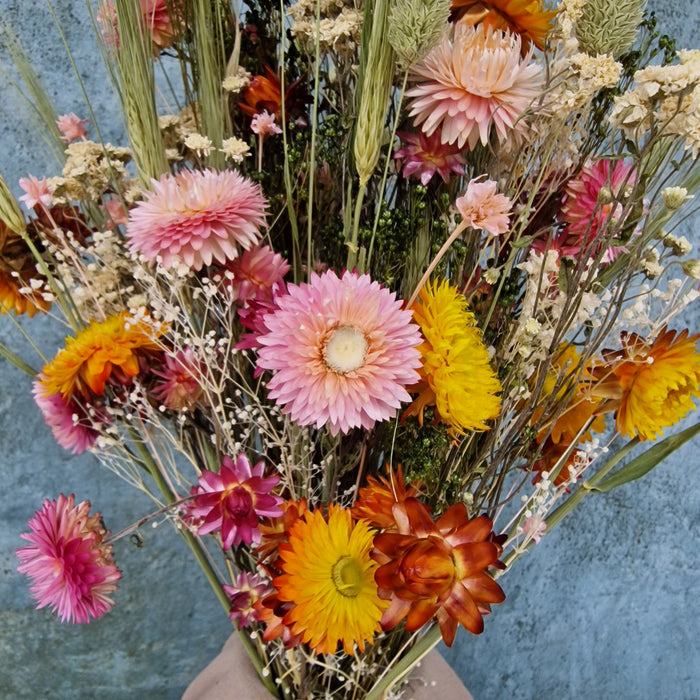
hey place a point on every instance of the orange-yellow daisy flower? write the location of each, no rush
(456, 376)
(651, 383)
(99, 352)
(328, 577)
(528, 18)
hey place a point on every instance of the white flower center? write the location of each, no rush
(345, 350)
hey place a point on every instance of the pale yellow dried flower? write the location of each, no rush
(235, 149)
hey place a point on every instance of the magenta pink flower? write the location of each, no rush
(37, 191)
(256, 273)
(474, 81)
(426, 155)
(197, 217)
(69, 421)
(263, 124)
(180, 385)
(343, 351)
(594, 202)
(482, 207)
(232, 501)
(248, 590)
(68, 560)
(72, 127)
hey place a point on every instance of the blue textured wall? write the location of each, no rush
(607, 606)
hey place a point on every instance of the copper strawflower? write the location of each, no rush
(437, 569)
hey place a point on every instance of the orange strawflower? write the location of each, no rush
(650, 384)
(264, 93)
(528, 18)
(437, 569)
(103, 351)
(375, 501)
(328, 576)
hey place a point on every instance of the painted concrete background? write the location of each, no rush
(606, 607)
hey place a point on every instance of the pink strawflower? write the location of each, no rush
(263, 124)
(68, 560)
(535, 527)
(474, 80)
(232, 501)
(116, 211)
(593, 202)
(156, 18)
(426, 155)
(70, 424)
(37, 191)
(343, 351)
(482, 207)
(72, 127)
(255, 273)
(248, 590)
(197, 217)
(180, 385)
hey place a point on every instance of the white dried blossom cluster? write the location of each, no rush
(236, 82)
(235, 149)
(583, 76)
(568, 13)
(91, 169)
(668, 96)
(339, 29)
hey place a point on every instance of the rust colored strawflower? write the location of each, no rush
(437, 569)
(376, 500)
(68, 560)
(650, 383)
(456, 376)
(528, 18)
(328, 577)
(104, 351)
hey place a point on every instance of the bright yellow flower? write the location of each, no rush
(456, 376)
(98, 352)
(651, 383)
(525, 17)
(329, 578)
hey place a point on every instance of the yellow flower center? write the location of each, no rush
(348, 577)
(345, 350)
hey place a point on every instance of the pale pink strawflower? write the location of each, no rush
(231, 501)
(68, 560)
(197, 217)
(263, 124)
(70, 424)
(473, 82)
(594, 202)
(426, 155)
(342, 350)
(483, 207)
(37, 192)
(116, 211)
(160, 24)
(535, 527)
(248, 589)
(179, 385)
(71, 127)
(255, 273)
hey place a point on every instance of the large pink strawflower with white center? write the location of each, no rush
(483, 207)
(70, 424)
(343, 351)
(197, 217)
(232, 500)
(68, 560)
(426, 155)
(474, 81)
